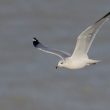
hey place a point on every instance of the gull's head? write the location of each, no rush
(61, 63)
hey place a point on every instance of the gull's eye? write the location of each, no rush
(61, 62)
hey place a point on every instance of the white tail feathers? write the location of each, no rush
(93, 61)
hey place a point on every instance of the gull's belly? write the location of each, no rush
(77, 64)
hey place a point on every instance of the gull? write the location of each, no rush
(79, 59)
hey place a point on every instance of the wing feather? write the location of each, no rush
(86, 38)
(44, 48)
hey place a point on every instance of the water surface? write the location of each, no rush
(28, 78)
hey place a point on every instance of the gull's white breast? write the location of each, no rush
(76, 63)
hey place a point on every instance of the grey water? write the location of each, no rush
(28, 78)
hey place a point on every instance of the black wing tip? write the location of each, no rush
(108, 13)
(104, 16)
(35, 42)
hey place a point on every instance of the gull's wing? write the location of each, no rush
(41, 47)
(86, 38)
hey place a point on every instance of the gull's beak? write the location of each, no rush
(56, 67)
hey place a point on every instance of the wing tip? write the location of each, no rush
(105, 16)
(35, 42)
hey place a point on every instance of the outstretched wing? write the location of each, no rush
(86, 38)
(44, 48)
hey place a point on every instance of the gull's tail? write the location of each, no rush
(93, 61)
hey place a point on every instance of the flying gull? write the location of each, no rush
(79, 59)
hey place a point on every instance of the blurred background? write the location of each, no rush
(28, 78)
